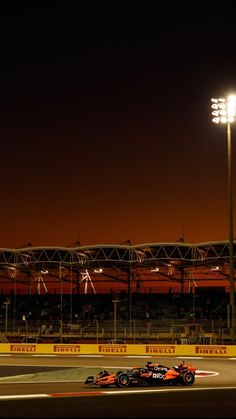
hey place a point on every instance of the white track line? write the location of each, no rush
(189, 357)
(112, 393)
(163, 390)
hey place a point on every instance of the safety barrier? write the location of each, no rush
(120, 349)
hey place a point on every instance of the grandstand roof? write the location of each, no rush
(150, 265)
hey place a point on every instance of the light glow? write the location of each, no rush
(224, 110)
(231, 106)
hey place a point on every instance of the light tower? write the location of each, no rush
(224, 112)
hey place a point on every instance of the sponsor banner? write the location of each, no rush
(25, 348)
(112, 349)
(66, 348)
(211, 350)
(160, 349)
(120, 349)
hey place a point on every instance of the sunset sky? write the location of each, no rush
(106, 131)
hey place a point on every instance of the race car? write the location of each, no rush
(152, 374)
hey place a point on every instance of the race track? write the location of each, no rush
(53, 386)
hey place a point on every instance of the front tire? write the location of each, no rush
(122, 380)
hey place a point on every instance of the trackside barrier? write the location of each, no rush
(119, 349)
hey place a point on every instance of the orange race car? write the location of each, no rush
(152, 374)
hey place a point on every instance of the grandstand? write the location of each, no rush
(68, 293)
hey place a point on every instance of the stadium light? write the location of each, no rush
(224, 112)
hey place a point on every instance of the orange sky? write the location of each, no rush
(106, 132)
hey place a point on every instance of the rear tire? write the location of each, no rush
(188, 378)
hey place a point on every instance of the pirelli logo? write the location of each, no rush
(112, 349)
(23, 348)
(66, 348)
(160, 349)
(211, 350)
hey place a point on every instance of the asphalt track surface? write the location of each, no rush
(53, 387)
